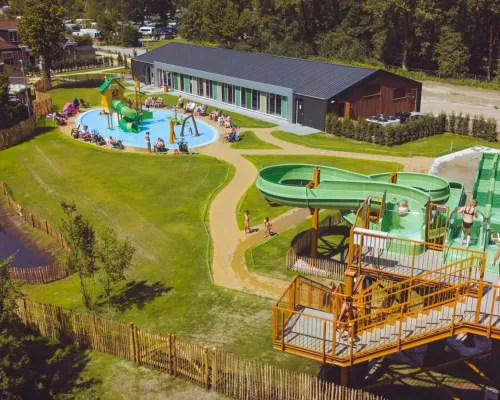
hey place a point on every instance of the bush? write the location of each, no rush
(129, 36)
(412, 129)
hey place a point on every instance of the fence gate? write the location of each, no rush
(437, 224)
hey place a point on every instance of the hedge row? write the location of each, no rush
(412, 129)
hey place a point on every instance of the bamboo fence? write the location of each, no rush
(42, 105)
(43, 274)
(18, 133)
(214, 370)
(322, 267)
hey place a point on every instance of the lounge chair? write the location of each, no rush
(84, 104)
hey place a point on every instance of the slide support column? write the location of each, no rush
(315, 220)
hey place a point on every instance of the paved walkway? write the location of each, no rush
(229, 242)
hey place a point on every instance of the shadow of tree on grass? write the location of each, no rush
(137, 293)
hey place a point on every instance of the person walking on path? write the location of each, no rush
(267, 227)
(148, 142)
(247, 222)
(469, 212)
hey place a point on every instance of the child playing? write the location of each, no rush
(267, 227)
(148, 142)
(345, 316)
(247, 222)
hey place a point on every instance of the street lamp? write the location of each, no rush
(27, 89)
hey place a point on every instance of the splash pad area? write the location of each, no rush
(158, 126)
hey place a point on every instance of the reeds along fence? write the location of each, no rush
(16, 134)
(212, 369)
(322, 267)
(42, 105)
(42, 274)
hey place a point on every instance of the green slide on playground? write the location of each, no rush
(286, 184)
(129, 120)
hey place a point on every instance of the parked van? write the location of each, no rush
(147, 30)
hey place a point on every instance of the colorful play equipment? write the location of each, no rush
(113, 100)
(194, 125)
(410, 280)
(172, 138)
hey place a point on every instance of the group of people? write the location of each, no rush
(267, 225)
(153, 102)
(233, 135)
(115, 144)
(159, 146)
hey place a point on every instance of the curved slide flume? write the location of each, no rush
(287, 184)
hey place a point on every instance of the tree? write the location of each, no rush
(5, 109)
(116, 258)
(451, 53)
(119, 60)
(340, 45)
(129, 36)
(42, 30)
(82, 241)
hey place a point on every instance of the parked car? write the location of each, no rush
(383, 120)
(405, 115)
(165, 33)
(147, 30)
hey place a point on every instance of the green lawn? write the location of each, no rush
(268, 257)
(61, 96)
(249, 140)
(433, 146)
(158, 203)
(259, 208)
(154, 44)
(243, 120)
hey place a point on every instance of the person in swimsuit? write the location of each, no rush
(247, 222)
(148, 142)
(345, 315)
(469, 212)
(267, 227)
(403, 208)
(497, 256)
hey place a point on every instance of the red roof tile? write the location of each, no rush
(7, 46)
(8, 24)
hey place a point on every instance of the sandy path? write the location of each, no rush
(230, 244)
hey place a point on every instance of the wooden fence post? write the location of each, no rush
(132, 341)
(206, 374)
(136, 345)
(214, 369)
(46, 227)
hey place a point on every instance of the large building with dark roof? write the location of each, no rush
(296, 90)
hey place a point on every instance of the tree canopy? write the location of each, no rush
(42, 29)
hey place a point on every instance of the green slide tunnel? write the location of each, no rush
(286, 184)
(129, 120)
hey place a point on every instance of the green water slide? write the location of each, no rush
(286, 184)
(129, 120)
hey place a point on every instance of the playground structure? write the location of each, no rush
(113, 100)
(410, 282)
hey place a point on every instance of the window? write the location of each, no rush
(243, 97)
(278, 105)
(224, 87)
(13, 36)
(200, 86)
(230, 94)
(399, 93)
(372, 90)
(208, 88)
(182, 82)
(255, 100)
(8, 57)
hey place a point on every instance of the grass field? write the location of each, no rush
(61, 96)
(433, 146)
(158, 203)
(249, 140)
(154, 44)
(259, 208)
(268, 257)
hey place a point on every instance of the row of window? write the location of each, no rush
(251, 99)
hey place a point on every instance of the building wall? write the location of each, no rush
(314, 111)
(17, 56)
(219, 85)
(140, 71)
(365, 100)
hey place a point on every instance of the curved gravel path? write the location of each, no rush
(230, 244)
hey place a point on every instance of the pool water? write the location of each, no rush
(157, 127)
(25, 257)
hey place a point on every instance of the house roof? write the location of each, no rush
(310, 78)
(8, 24)
(4, 45)
(108, 82)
